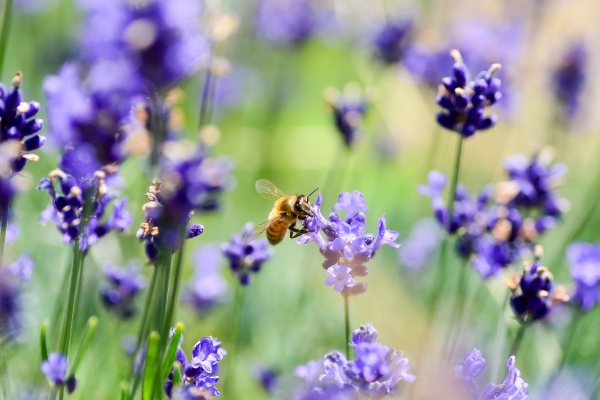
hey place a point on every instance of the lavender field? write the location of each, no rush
(299, 199)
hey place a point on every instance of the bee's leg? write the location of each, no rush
(295, 232)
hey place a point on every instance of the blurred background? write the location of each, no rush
(274, 121)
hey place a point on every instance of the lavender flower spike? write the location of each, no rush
(584, 261)
(364, 334)
(246, 258)
(513, 387)
(346, 247)
(19, 130)
(464, 100)
(55, 368)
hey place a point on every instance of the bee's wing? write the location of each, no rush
(257, 230)
(268, 190)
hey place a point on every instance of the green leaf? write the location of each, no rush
(151, 359)
(171, 351)
(43, 341)
(85, 342)
(124, 390)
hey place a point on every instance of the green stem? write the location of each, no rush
(443, 262)
(233, 354)
(57, 312)
(347, 323)
(144, 327)
(75, 280)
(5, 30)
(455, 175)
(516, 344)
(459, 308)
(155, 307)
(173, 294)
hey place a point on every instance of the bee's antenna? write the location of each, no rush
(311, 193)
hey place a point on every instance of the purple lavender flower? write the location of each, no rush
(88, 121)
(67, 209)
(464, 100)
(471, 367)
(159, 41)
(288, 22)
(420, 244)
(187, 183)
(473, 364)
(207, 287)
(245, 258)
(584, 261)
(370, 364)
(532, 184)
(534, 293)
(377, 370)
(392, 41)
(268, 378)
(12, 279)
(494, 234)
(346, 244)
(569, 79)
(349, 108)
(339, 277)
(513, 387)
(200, 372)
(55, 368)
(364, 334)
(19, 130)
(122, 287)
(351, 203)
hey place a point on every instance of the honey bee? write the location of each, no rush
(286, 212)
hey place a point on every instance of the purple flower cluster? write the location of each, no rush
(349, 108)
(288, 22)
(200, 372)
(534, 292)
(188, 181)
(392, 41)
(245, 258)
(513, 387)
(55, 368)
(584, 262)
(87, 120)
(464, 101)
(155, 43)
(534, 185)
(419, 245)
(207, 287)
(12, 278)
(346, 247)
(376, 370)
(18, 129)
(569, 79)
(78, 211)
(122, 287)
(496, 233)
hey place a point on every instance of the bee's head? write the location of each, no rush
(302, 206)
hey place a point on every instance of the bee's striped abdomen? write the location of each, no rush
(276, 231)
